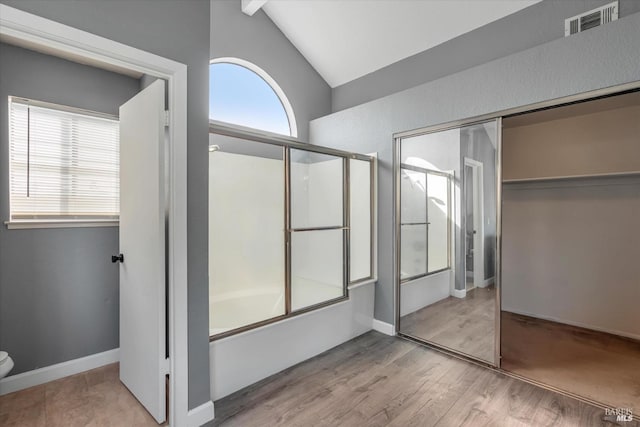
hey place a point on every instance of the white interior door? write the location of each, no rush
(478, 245)
(470, 225)
(478, 199)
(142, 245)
(474, 223)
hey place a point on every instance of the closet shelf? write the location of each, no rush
(572, 177)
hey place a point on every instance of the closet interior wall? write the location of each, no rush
(570, 246)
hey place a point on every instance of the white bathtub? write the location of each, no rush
(242, 359)
(234, 309)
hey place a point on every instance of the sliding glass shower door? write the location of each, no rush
(281, 240)
(318, 228)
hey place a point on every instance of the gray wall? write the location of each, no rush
(533, 26)
(258, 40)
(178, 30)
(58, 288)
(559, 68)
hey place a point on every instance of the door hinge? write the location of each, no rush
(167, 366)
(166, 118)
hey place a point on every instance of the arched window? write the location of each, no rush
(243, 94)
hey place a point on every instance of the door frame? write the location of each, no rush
(478, 219)
(71, 43)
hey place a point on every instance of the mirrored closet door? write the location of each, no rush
(446, 187)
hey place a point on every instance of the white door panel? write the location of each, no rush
(142, 243)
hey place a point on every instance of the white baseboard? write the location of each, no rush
(383, 327)
(487, 282)
(54, 372)
(200, 415)
(578, 324)
(459, 293)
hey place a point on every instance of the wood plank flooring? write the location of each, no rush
(373, 380)
(376, 380)
(92, 398)
(463, 324)
(599, 366)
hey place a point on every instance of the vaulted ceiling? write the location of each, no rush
(347, 39)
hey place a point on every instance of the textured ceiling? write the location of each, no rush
(347, 39)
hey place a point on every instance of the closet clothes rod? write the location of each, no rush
(572, 177)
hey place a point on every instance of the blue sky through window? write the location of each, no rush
(238, 95)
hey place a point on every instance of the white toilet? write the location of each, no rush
(6, 364)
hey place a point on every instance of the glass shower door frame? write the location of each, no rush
(287, 144)
(289, 230)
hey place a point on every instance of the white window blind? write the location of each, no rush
(64, 163)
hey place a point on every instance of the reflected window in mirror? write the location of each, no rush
(425, 229)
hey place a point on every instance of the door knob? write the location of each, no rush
(117, 258)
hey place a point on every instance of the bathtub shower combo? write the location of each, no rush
(290, 228)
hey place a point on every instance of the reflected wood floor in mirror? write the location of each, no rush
(377, 380)
(463, 324)
(602, 367)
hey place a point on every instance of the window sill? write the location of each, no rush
(32, 224)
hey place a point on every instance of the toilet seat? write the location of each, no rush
(6, 364)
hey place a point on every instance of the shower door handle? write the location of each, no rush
(117, 258)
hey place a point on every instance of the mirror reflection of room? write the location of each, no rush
(570, 287)
(448, 239)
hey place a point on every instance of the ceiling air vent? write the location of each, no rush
(590, 19)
